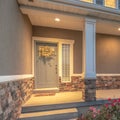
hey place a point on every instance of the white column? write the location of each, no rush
(117, 4)
(89, 49)
(94, 1)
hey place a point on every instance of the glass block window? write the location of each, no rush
(65, 62)
(110, 3)
(90, 1)
(100, 2)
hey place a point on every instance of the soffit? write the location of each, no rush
(78, 8)
(40, 15)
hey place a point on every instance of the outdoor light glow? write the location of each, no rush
(57, 19)
(119, 29)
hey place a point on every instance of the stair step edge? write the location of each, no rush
(49, 113)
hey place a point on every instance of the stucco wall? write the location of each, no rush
(64, 34)
(108, 53)
(15, 40)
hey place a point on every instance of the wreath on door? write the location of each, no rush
(46, 51)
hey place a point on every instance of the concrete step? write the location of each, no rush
(63, 114)
(81, 105)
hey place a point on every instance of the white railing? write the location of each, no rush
(107, 3)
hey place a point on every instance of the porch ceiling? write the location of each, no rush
(40, 15)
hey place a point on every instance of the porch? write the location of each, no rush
(68, 97)
(81, 46)
(62, 105)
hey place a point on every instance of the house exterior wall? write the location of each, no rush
(76, 84)
(102, 83)
(15, 60)
(107, 54)
(15, 40)
(107, 57)
(64, 34)
(12, 95)
(108, 82)
(107, 48)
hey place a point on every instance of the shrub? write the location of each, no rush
(109, 111)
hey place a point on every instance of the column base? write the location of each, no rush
(89, 90)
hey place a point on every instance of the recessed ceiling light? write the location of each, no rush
(119, 29)
(57, 19)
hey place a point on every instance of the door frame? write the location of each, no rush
(59, 43)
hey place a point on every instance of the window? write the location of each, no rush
(100, 2)
(66, 62)
(90, 1)
(110, 3)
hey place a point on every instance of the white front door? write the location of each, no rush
(46, 65)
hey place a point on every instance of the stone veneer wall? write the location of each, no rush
(102, 82)
(12, 95)
(76, 84)
(108, 82)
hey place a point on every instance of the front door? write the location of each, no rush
(46, 65)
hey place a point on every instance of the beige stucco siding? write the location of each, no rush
(107, 48)
(64, 34)
(15, 40)
(108, 53)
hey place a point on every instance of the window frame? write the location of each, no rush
(71, 43)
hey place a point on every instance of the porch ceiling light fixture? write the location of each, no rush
(57, 19)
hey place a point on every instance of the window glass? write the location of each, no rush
(66, 62)
(110, 3)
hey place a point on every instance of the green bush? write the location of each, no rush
(109, 111)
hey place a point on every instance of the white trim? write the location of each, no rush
(89, 49)
(117, 4)
(77, 75)
(52, 40)
(108, 74)
(59, 42)
(94, 1)
(15, 77)
(71, 60)
(33, 58)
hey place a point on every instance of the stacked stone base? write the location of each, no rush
(102, 82)
(89, 90)
(108, 82)
(12, 95)
(76, 84)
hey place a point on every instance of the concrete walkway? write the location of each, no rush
(69, 97)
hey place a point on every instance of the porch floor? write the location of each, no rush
(69, 97)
